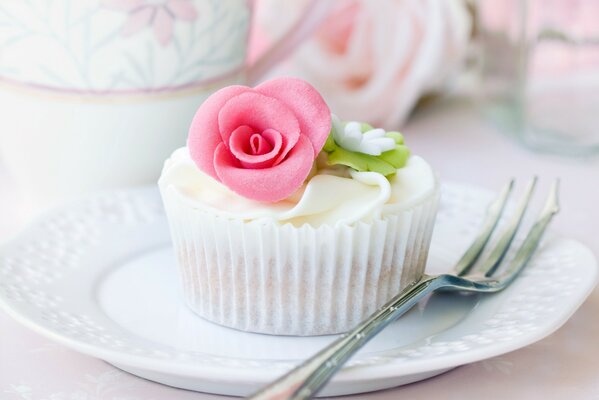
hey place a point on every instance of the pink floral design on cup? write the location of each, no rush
(159, 15)
(260, 142)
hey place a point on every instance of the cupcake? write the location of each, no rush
(286, 220)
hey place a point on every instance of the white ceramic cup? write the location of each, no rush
(96, 94)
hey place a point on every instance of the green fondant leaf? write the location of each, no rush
(330, 144)
(398, 137)
(386, 164)
(397, 157)
(360, 162)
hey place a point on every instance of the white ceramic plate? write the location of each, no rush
(99, 277)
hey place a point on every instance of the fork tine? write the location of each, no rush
(533, 237)
(504, 242)
(493, 214)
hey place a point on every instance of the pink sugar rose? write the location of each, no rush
(260, 142)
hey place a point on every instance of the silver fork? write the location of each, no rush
(306, 380)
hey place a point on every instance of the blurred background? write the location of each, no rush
(95, 94)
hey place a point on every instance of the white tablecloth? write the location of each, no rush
(463, 147)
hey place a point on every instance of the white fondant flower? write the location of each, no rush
(351, 137)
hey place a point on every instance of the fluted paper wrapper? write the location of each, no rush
(281, 279)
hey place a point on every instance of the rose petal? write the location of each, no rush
(259, 112)
(259, 145)
(337, 30)
(204, 134)
(306, 103)
(239, 143)
(269, 184)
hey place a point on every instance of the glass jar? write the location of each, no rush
(540, 72)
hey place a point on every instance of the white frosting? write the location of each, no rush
(330, 196)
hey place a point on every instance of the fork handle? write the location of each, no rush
(307, 379)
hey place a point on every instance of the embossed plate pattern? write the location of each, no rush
(99, 276)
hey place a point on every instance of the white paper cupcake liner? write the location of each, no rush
(287, 280)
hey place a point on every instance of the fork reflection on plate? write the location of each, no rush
(307, 379)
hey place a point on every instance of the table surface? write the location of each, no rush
(462, 146)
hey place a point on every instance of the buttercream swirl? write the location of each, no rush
(329, 196)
